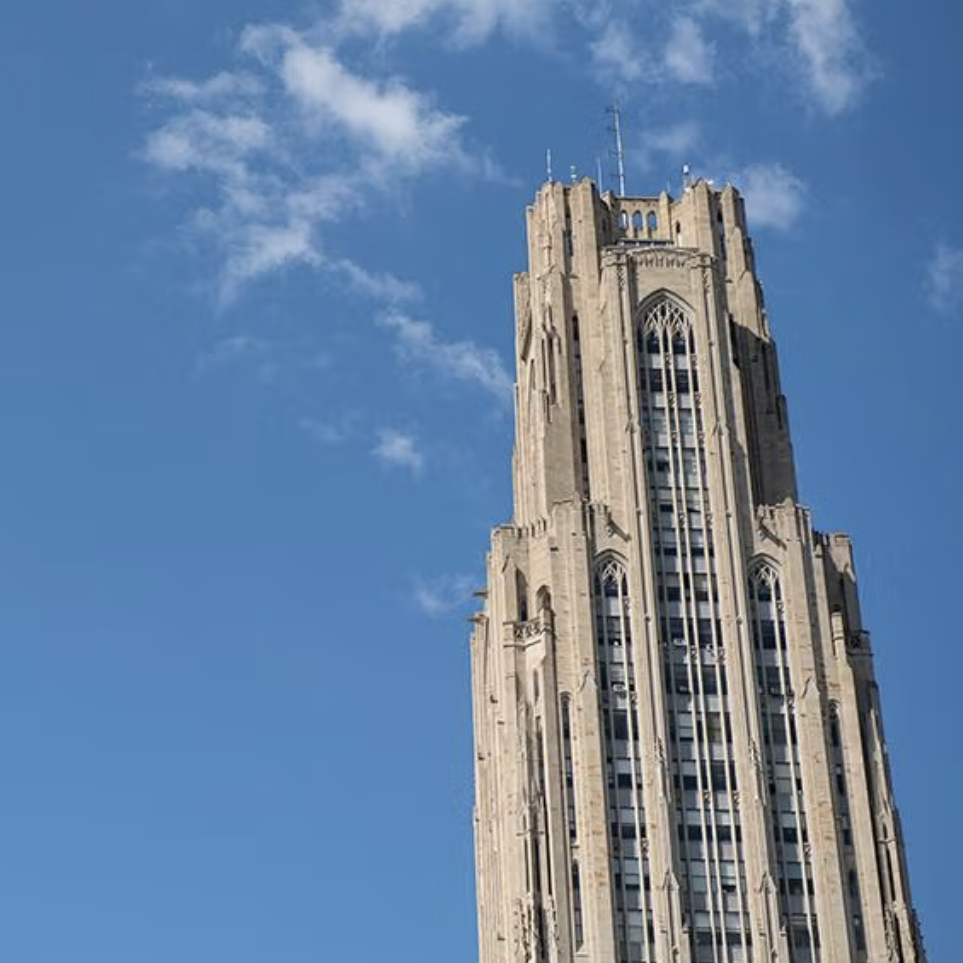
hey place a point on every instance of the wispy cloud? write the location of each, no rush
(381, 286)
(614, 54)
(205, 142)
(675, 143)
(293, 137)
(398, 127)
(943, 285)
(324, 432)
(334, 427)
(247, 350)
(823, 39)
(214, 88)
(819, 39)
(398, 449)
(774, 195)
(443, 594)
(292, 141)
(418, 344)
(688, 56)
(470, 21)
(833, 57)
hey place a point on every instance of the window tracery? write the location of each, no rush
(789, 824)
(615, 655)
(710, 858)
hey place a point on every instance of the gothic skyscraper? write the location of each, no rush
(679, 750)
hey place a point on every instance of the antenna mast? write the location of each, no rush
(619, 151)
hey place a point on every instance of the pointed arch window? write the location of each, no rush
(710, 856)
(620, 724)
(779, 725)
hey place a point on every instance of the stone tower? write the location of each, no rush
(679, 749)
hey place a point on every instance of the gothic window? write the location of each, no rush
(789, 830)
(615, 655)
(568, 761)
(710, 858)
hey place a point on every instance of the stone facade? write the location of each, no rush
(679, 749)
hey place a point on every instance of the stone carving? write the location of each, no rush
(650, 260)
(527, 631)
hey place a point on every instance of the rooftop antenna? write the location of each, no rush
(686, 177)
(598, 168)
(616, 129)
(574, 174)
(548, 164)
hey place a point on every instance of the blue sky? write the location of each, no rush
(255, 367)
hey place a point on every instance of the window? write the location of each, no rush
(693, 674)
(620, 728)
(780, 751)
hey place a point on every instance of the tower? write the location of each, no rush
(678, 747)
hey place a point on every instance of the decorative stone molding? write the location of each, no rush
(527, 631)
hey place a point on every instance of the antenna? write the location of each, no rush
(616, 129)
(598, 168)
(548, 164)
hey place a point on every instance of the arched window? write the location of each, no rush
(577, 922)
(652, 222)
(698, 716)
(620, 724)
(781, 751)
(637, 223)
(664, 314)
(521, 593)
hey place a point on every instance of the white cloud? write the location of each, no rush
(821, 36)
(688, 57)
(674, 144)
(774, 196)
(295, 140)
(831, 51)
(214, 88)
(296, 137)
(202, 141)
(418, 344)
(444, 594)
(388, 119)
(380, 286)
(943, 285)
(258, 249)
(753, 16)
(616, 56)
(254, 353)
(399, 449)
(473, 20)
(325, 432)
